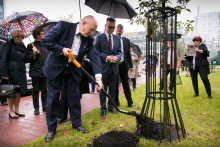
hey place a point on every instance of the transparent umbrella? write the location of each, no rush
(211, 45)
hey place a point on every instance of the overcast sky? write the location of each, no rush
(54, 8)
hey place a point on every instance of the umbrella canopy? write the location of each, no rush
(136, 49)
(26, 21)
(211, 45)
(169, 37)
(113, 8)
(48, 25)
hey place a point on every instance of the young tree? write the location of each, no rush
(160, 20)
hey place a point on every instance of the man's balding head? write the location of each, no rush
(88, 25)
(119, 30)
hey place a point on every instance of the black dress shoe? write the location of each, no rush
(210, 97)
(36, 112)
(81, 129)
(4, 103)
(113, 111)
(20, 115)
(132, 105)
(195, 95)
(59, 121)
(50, 136)
(13, 117)
(103, 113)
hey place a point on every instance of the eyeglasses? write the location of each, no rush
(195, 40)
(20, 36)
(110, 27)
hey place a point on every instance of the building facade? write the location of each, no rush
(209, 23)
(139, 39)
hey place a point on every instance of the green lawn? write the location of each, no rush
(201, 118)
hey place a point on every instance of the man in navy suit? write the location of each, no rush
(109, 48)
(124, 64)
(63, 38)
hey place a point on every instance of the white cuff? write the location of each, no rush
(98, 75)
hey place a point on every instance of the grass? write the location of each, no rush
(202, 129)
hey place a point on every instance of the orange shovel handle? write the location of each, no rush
(74, 60)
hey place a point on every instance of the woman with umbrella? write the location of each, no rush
(13, 69)
(199, 64)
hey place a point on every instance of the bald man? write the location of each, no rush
(63, 38)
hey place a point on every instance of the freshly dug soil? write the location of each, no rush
(150, 129)
(116, 139)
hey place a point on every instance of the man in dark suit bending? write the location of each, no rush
(125, 64)
(63, 38)
(109, 48)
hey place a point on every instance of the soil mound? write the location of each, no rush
(116, 139)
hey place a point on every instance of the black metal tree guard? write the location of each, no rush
(161, 106)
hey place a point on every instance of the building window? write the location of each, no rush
(218, 24)
(204, 18)
(204, 25)
(209, 32)
(210, 25)
(210, 17)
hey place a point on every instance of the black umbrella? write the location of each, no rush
(136, 49)
(159, 37)
(113, 8)
(48, 25)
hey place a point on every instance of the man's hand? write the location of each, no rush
(131, 69)
(35, 50)
(114, 60)
(187, 48)
(110, 58)
(100, 85)
(6, 78)
(65, 51)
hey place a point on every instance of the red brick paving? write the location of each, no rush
(16, 132)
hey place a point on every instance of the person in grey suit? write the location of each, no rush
(125, 64)
(109, 48)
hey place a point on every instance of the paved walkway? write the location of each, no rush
(16, 132)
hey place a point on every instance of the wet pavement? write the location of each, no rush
(16, 132)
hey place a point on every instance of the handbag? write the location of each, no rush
(8, 90)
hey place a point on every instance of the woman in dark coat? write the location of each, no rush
(13, 69)
(199, 64)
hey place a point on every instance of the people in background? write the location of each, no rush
(13, 60)
(37, 56)
(133, 74)
(199, 64)
(171, 65)
(125, 64)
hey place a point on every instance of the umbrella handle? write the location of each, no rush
(34, 46)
